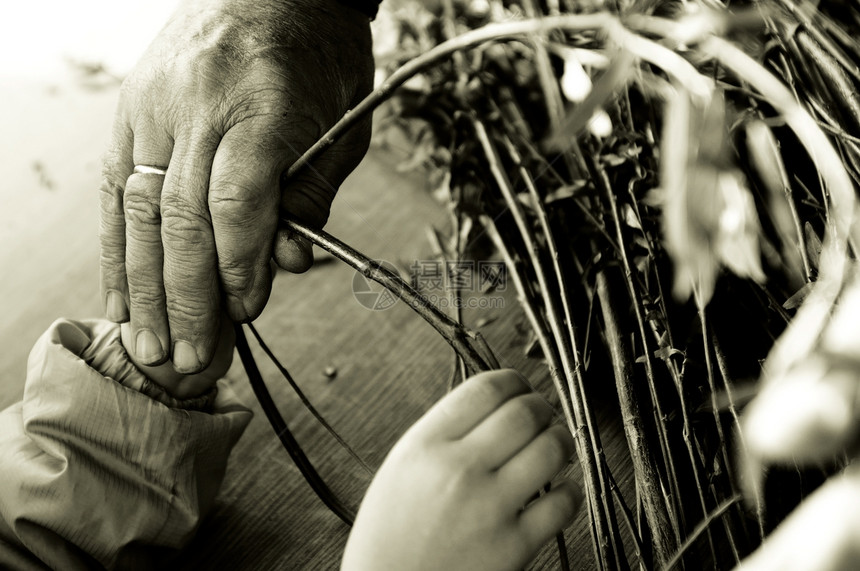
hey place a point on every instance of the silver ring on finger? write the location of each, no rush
(147, 169)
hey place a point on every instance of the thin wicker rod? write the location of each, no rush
(307, 403)
(663, 534)
(544, 225)
(790, 71)
(492, 32)
(563, 560)
(568, 352)
(574, 416)
(458, 374)
(733, 410)
(602, 182)
(724, 449)
(286, 437)
(701, 528)
(546, 75)
(454, 333)
(765, 150)
(809, 26)
(627, 516)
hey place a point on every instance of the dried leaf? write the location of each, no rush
(737, 242)
(799, 296)
(766, 159)
(813, 245)
(630, 217)
(566, 191)
(666, 353)
(709, 215)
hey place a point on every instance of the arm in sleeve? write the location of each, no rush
(97, 469)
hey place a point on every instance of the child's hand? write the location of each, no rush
(182, 386)
(451, 493)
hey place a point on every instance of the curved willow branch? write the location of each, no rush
(506, 30)
(460, 338)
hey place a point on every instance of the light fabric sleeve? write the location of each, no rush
(95, 473)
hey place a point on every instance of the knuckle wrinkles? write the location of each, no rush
(142, 264)
(144, 296)
(180, 220)
(111, 237)
(176, 203)
(113, 255)
(112, 263)
(110, 196)
(186, 314)
(261, 102)
(140, 211)
(181, 233)
(111, 166)
(229, 197)
(238, 276)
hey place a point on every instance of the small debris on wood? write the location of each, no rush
(45, 181)
(330, 372)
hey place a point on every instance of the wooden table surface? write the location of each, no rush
(390, 365)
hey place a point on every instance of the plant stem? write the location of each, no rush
(459, 373)
(307, 403)
(567, 347)
(647, 479)
(701, 528)
(573, 410)
(312, 477)
(709, 370)
(491, 32)
(601, 180)
(455, 334)
(727, 386)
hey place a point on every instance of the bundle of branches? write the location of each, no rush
(657, 177)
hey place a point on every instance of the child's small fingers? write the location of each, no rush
(508, 429)
(550, 514)
(536, 464)
(466, 406)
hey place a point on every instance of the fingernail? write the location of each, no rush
(185, 358)
(148, 347)
(116, 309)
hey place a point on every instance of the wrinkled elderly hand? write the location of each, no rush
(227, 97)
(451, 493)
